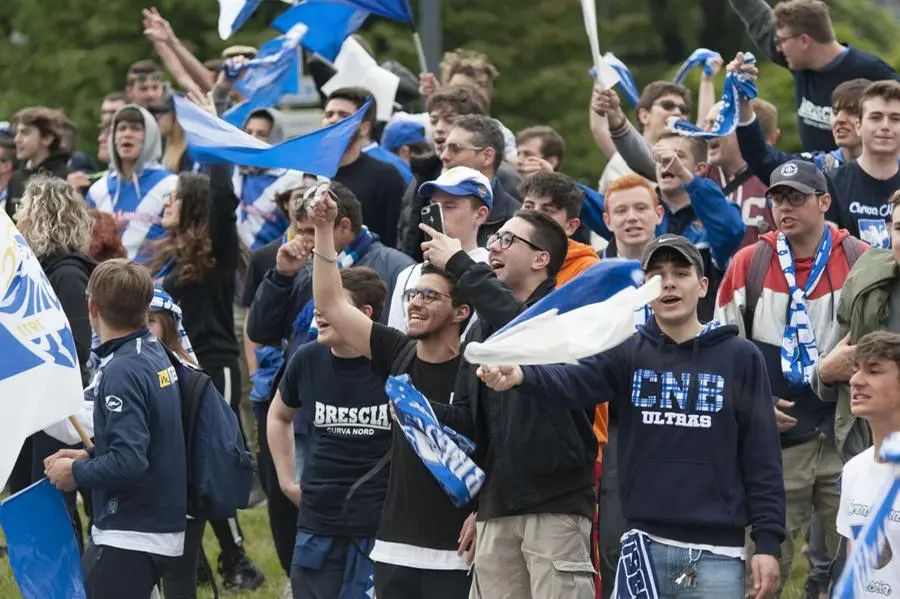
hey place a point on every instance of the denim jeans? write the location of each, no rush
(716, 575)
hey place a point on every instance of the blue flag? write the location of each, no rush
(398, 10)
(328, 23)
(700, 56)
(441, 449)
(273, 73)
(42, 550)
(233, 14)
(592, 211)
(213, 140)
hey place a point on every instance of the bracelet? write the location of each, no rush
(324, 257)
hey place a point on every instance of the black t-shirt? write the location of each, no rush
(379, 187)
(860, 203)
(262, 260)
(417, 511)
(350, 432)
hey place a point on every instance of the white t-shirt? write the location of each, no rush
(863, 484)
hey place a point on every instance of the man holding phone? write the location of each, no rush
(460, 201)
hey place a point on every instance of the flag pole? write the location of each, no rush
(420, 50)
(81, 432)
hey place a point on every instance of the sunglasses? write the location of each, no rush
(143, 77)
(505, 240)
(670, 105)
(428, 295)
(453, 148)
(794, 198)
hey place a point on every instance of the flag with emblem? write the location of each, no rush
(40, 384)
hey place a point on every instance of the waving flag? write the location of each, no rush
(871, 543)
(590, 314)
(398, 10)
(328, 25)
(700, 56)
(355, 67)
(592, 211)
(213, 140)
(274, 72)
(437, 446)
(40, 380)
(233, 14)
(626, 79)
(42, 550)
(737, 85)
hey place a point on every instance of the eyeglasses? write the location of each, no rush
(794, 198)
(670, 105)
(506, 239)
(453, 148)
(428, 295)
(780, 41)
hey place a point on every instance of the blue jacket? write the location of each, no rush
(137, 470)
(698, 439)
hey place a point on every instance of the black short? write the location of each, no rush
(113, 573)
(400, 582)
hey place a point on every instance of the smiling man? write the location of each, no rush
(802, 267)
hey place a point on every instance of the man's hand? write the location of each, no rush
(78, 180)
(737, 66)
(322, 210)
(534, 165)
(203, 101)
(60, 474)
(715, 66)
(440, 248)
(156, 28)
(292, 492)
(467, 539)
(428, 85)
(671, 163)
(74, 454)
(785, 421)
(605, 102)
(766, 576)
(838, 365)
(292, 256)
(500, 378)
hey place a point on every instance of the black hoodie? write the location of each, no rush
(68, 273)
(56, 165)
(698, 443)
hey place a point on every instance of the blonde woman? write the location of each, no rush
(54, 220)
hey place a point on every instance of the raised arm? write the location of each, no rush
(759, 19)
(629, 143)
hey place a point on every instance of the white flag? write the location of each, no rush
(605, 74)
(40, 379)
(356, 67)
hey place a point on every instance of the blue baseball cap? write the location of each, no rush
(460, 181)
(402, 133)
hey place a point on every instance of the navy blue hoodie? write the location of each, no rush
(137, 469)
(698, 443)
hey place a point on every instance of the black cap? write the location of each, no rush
(800, 175)
(680, 244)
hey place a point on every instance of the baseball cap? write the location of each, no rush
(460, 181)
(680, 244)
(801, 175)
(402, 133)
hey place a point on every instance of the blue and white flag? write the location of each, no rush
(590, 314)
(233, 14)
(592, 211)
(274, 72)
(441, 449)
(635, 576)
(40, 379)
(329, 24)
(626, 79)
(871, 541)
(213, 140)
(43, 554)
(163, 301)
(700, 56)
(737, 85)
(398, 10)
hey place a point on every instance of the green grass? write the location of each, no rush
(259, 546)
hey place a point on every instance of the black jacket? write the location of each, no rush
(68, 274)
(56, 165)
(540, 453)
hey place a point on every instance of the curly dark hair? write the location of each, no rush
(190, 243)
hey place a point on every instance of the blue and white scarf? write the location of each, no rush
(163, 301)
(737, 85)
(700, 56)
(441, 449)
(871, 540)
(350, 255)
(635, 576)
(626, 79)
(798, 345)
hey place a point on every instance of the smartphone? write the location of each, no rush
(433, 217)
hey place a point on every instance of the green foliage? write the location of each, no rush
(77, 53)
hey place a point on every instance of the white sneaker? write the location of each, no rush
(287, 593)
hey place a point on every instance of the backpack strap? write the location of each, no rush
(756, 275)
(852, 249)
(403, 360)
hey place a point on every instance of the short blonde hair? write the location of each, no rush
(58, 219)
(470, 63)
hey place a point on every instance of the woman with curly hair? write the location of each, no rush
(53, 219)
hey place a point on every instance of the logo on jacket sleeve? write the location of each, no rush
(167, 377)
(113, 403)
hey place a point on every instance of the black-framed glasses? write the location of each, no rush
(670, 105)
(794, 199)
(428, 295)
(454, 148)
(780, 41)
(506, 238)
